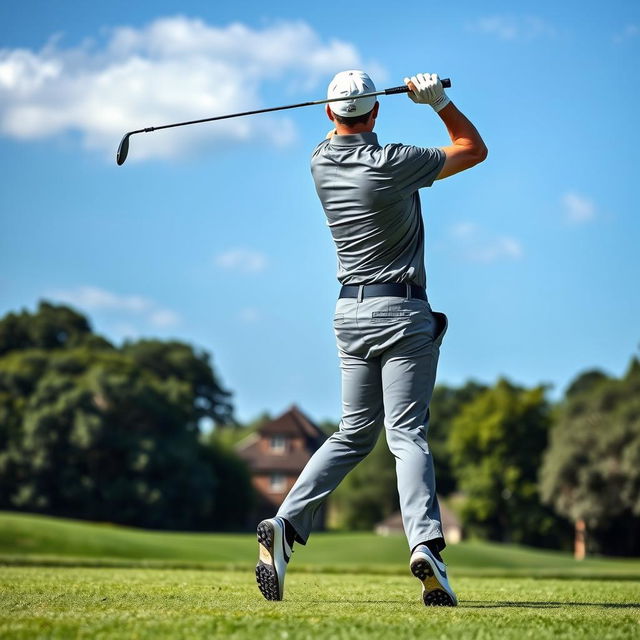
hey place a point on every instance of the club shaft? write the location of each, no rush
(392, 90)
(123, 148)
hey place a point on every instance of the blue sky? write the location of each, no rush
(213, 234)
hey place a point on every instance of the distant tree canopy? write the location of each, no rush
(497, 442)
(591, 471)
(52, 327)
(585, 382)
(93, 431)
(368, 494)
(447, 402)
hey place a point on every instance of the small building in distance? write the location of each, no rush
(451, 526)
(276, 454)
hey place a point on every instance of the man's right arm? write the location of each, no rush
(467, 148)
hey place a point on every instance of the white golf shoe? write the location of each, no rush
(436, 590)
(274, 554)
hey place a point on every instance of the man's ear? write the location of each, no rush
(329, 112)
(374, 111)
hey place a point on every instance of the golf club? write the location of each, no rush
(123, 148)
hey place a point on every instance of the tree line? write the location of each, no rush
(92, 430)
(519, 468)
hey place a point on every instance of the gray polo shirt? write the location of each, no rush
(370, 197)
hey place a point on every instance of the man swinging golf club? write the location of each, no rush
(388, 337)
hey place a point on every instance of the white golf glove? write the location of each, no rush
(428, 90)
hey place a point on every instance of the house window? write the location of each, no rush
(277, 482)
(278, 444)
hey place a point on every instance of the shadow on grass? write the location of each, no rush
(493, 604)
(496, 604)
(363, 602)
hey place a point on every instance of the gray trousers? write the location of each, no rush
(388, 348)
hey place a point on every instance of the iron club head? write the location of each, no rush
(123, 149)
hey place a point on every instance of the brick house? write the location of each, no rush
(275, 455)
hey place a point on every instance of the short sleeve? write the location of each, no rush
(319, 148)
(413, 168)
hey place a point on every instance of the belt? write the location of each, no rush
(395, 289)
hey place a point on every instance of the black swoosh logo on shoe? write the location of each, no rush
(284, 549)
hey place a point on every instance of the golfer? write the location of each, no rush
(388, 337)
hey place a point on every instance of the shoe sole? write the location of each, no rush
(433, 595)
(266, 575)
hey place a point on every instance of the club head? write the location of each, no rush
(123, 149)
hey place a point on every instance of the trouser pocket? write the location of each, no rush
(442, 323)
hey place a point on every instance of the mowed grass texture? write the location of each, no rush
(67, 579)
(29, 539)
(71, 602)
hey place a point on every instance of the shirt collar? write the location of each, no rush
(354, 139)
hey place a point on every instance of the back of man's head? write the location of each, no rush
(351, 83)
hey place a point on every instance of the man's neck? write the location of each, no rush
(341, 130)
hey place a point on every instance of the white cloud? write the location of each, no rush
(629, 32)
(170, 70)
(464, 229)
(578, 208)
(249, 315)
(513, 27)
(242, 260)
(496, 249)
(164, 318)
(478, 245)
(95, 299)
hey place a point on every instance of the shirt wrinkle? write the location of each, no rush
(369, 194)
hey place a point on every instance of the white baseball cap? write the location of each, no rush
(351, 83)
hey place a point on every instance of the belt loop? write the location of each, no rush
(408, 286)
(360, 292)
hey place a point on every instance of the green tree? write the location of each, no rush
(91, 431)
(235, 495)
(446, 403)
(178, 360)
(585, 382)
(497, 443)
(328, 426)
(591, 470)
(368, 494)
(52, 327)
(228, 435)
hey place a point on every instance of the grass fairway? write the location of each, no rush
(66, 579)
(152, 603)
(29, 539)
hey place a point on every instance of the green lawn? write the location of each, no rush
(58, 602)
(66, 579)
(27, 539)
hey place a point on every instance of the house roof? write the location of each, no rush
(292, 423)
